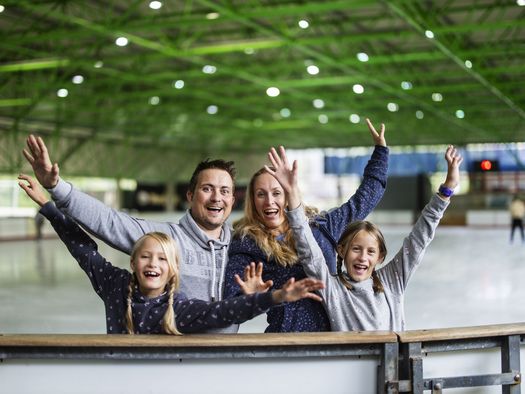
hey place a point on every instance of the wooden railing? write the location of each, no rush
(384, 362)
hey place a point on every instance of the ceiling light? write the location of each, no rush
(354, 118)
(362, 57)
(460, 114)
(437, 97)
(155, 100)
(212, 15)
(303, 24)
(318, 103)
(273, 91)
(323, 119)
(62, 92)
(98, 64)
(212, 109)
(178, 84)
(406, 85)
(78, 79)
(155, 5)
(208, 69)
(429, 34)
(285, 112)
(468, 63)
(121, 41)
(358, 89)
(392, 107)
(312, 70)
(420, 114)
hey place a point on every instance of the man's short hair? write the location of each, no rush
(207, 164)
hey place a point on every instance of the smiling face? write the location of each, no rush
(269, 201)
(361, 255)
(151, 266)
(212, 200)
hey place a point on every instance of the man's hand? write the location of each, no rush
(38, 156)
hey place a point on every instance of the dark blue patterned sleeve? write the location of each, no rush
(198, 315)
(365, 199)
(101, 273)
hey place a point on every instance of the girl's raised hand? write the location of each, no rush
(253, 282)
(294, 291)
(454, 160)
(33, 189)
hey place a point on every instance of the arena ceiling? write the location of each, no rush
(119, 88)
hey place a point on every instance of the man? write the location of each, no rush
(201, 234)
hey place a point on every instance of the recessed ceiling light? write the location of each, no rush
(77, 79)
(392, 107)
(178, 84)
(358, 89)
(285, 112)
(318, 103)
(212, 109)
(303, 24)
(121, 41)
(362, 57)
(312, 70)
(155, 5)
(212, 15)
(354, 118)
(273, 91)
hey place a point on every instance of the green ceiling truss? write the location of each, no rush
(107, 126)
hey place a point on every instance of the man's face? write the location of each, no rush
(212, 200)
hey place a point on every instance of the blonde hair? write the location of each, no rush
(251, 225)
(170, 249)
(346, 239)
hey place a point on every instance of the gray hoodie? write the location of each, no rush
(203, 259)
(361, 309)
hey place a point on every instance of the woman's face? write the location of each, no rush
(151, 267)
(361, 256)
(269, 201)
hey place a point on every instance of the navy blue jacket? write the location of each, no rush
(305, 314)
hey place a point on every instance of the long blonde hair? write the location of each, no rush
(170, 249)
(251, 225)
(344, 242)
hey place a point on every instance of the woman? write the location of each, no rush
(263, 235)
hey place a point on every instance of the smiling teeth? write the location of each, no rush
(151, 273)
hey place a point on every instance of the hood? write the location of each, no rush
(189, 225)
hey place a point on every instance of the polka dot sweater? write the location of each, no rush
(111, 284)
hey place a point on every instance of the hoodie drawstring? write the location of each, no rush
(223, 270)
(213, 273)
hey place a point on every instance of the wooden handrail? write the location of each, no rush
(445, 334)
(198, 340)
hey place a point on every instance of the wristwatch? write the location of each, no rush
(445, 191)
